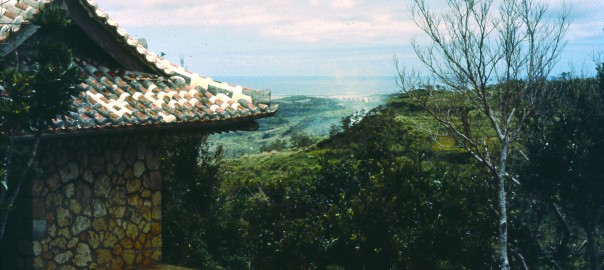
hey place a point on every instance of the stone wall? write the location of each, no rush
(97, 205)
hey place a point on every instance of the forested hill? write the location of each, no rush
(372, 193)
(377, 192)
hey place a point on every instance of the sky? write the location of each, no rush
(309, 37)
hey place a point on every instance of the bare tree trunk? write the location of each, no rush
(594, 262)
(503, 217)
(563, 251)
(474, 45)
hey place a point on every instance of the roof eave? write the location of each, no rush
(211, 127)
(16, 39)
(107, 39)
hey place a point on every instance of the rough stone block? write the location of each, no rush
(117, 197)
(156, 213)
(81, 224)
(102, 185)
(129, 257)
(156, 199)
(38, 262)
(156, 228)
(69, 171)
(63, 258)
(103, 256)
(126, 243)
(64, 232)
(63, 217)
(157, 241)
(83, 193)
(37, 248)
(69, 190)
(119, 232)
(132, 231)
(117, 263)
(156, 256)
(138, 168)
(117, 250)
(99, 225)
(99, 209)
(135, 201)
(58, 243)
(82, 257)
(53, 181)
(75, 206)
(112, 224)
(54, 200)
(50, 266)
(94, 240)
(72, 242)
(133, 185)
(52, 230)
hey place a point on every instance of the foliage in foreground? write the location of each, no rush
(368, 197)
(378, 194)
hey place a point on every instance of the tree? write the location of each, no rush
(566, 147)
(493, 63)
(32, 95)
(368, 197)
(191, 180)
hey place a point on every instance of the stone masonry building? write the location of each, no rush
(97, 204)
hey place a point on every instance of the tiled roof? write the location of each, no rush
(151, 58)
(119, 99)
(14, 13)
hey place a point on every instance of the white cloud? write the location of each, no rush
(585, 30)
(313, 21)
(342, 4)
(370, 31)
(270, 33)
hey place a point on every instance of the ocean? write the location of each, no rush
(317, 86)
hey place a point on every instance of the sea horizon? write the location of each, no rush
(317, 86)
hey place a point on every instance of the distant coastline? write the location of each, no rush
(338, 87)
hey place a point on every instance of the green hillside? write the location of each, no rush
(299, 117)
(375, 189)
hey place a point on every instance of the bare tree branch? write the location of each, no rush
(493, 63)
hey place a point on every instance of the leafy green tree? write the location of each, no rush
(32, 94)
(190, 184)
(371, 198)
(301, 140)
(566, 150)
